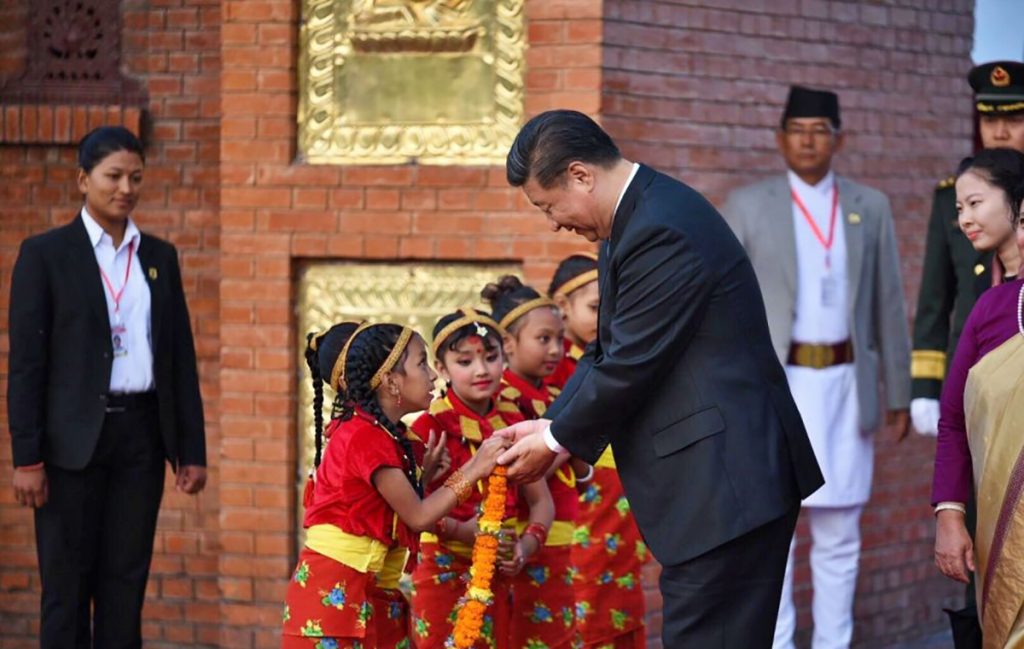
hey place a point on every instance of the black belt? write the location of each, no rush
(131, 401)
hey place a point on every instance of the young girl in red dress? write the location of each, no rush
(543, 611)
(468, 353)
(364, 502)
(607, 550)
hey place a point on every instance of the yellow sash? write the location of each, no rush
(607, 460)
(360, 553)
(456, 547)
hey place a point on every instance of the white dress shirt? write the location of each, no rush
(549, 437)
(818, 321)
(132, 368)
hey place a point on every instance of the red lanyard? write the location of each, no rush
(127, 271)
(825, 243)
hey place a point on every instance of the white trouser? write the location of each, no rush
(835, 551)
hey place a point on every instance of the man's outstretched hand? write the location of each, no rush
(529, 457)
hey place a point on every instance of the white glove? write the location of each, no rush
(925, 415)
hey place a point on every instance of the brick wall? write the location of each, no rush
(174, 47)
(693, 89)
(696, 89)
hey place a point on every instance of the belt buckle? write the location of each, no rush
(816, 357)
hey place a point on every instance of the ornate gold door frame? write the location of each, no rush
(397, 81)
(414, 294)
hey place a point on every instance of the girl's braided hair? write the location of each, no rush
(366, 354)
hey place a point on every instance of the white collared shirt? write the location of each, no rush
(131, 371)
(816, 321)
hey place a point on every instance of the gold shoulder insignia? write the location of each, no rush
(946, 182)
(504, 405)
(440, 405)
(511, 393)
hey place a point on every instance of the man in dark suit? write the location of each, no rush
(682, 381)
(102, 388)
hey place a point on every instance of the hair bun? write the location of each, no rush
(504, 287)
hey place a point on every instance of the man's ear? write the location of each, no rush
(580, 173)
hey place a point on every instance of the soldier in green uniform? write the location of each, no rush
(955, 274)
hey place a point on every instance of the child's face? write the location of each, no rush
(579, 310)
(534, 352)
(473, 369)
(416, 385)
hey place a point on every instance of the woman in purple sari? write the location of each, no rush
(981, 428)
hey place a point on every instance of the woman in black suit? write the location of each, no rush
(102, 387)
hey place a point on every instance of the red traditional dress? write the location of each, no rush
(543, 610)
(607, 552)
(344, 593)
(442, 570)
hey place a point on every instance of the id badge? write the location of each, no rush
(118, 333)
(829, 291)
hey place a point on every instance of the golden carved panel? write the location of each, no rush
(397, 81)
(414, 294)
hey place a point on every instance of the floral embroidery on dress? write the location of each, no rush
(622, 506)
(534, 643)
(567, 616)
(581, 536)
(420, 627)
(311, 630)
(327, 643)
(592, 495)
(302, 574)
(641, 550)
(538, 574)
(612, 542)
(287, 615)
(365, 613)
(541, 613)
(619, 619)
(335, 598)
(583, 610)
(627, 581)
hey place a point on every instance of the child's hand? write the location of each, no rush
(436, 460)
(507, 544)
(487, 455)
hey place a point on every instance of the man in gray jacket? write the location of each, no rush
(824, 251)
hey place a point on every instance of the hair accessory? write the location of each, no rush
(582, 279)
(460, 486)
(389, 362)
(469, 317)
(523, 309)
(338, 371)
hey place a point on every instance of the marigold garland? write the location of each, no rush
(469, 619)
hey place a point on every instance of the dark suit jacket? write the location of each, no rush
(61, 352)
(683, 380)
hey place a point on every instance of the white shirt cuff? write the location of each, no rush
(551, 442)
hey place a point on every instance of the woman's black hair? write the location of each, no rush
(492, 340)
(366, 354)
(1002, 168)
(506, 294)
(570, 268)
(101, 142)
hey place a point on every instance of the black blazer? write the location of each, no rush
(683, 381)
(61, 352)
